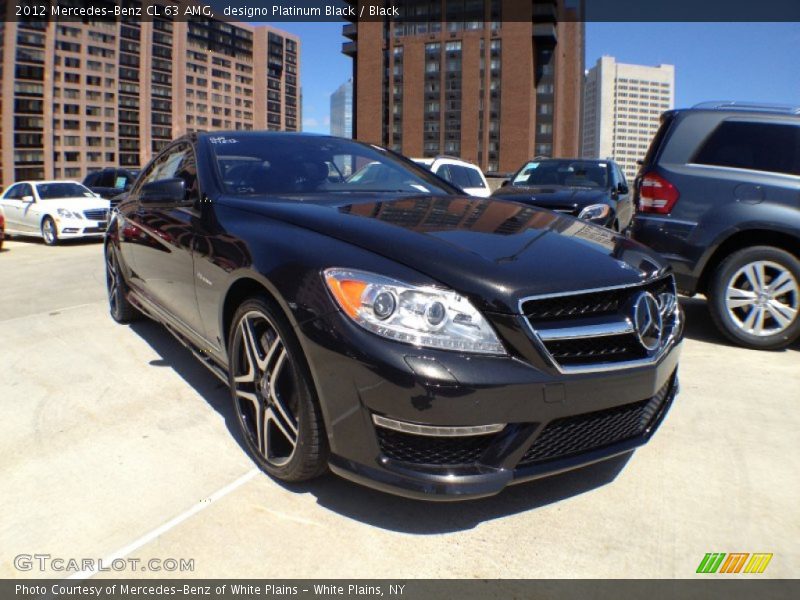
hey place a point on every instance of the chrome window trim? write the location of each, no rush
(789, 176)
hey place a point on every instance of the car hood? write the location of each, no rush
(553, 196)
(496, 252)
(77, 204)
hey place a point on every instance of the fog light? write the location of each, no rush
(435, 430)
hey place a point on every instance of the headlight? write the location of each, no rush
(63, 212)
(595, 211)
(424, 316)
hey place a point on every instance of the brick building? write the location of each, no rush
(496, 85)
(77, 97)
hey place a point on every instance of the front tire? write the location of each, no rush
(49, 231)
(754, 297)
(272, 393)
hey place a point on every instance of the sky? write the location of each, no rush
(713, 61)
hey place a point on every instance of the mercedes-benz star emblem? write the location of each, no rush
(647, 321)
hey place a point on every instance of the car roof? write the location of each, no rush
(597, 161)
(444, 157)
(260, 133)
(47, 181)
(752, 107)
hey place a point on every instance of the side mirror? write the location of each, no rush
(27, 198)
(622, 189)
(505, 182)
(164, 191)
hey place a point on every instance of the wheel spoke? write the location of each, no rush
(259, 415)
(251, 353)
(277, 402)
(755, 275)
(749, 322)
(782, 313)
(782, 284)
(737, 298)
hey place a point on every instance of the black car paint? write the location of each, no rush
(572, 200)
(186, 264)
(716, 207)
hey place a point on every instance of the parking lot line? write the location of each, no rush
(161, 529)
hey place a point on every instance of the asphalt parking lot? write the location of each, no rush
(117, 443)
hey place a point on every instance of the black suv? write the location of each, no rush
(111, 182)
(718, 194)
(593, 190)
(406, 336)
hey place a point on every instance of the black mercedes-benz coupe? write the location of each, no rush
(594, 190)
(391, 329)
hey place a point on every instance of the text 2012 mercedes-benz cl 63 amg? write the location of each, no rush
(390, 328)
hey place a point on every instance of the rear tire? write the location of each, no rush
(754, 297)
(273, 395)
(122, 311)
(49, 231)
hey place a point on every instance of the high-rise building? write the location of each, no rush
(342, 110)
(621, 109)
(77, 97)
(495, 82)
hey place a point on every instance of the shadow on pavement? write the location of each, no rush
(377, 508)
(427, 518)
(700, 327)
(183, 362)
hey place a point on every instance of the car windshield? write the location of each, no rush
(306, 164)
(567, 173)
(51, 191)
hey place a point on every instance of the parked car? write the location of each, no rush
(459, 172)
(718, 195)
(408, 337)
(2, 227)
(54, 210)
(111, 182)
(594, 190)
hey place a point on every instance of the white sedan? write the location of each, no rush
(54, 210)
(458, 172)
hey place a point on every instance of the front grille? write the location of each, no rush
(566, 437)
(98, 214)
(430, 450)
(591, 330)
(593, 350)
(589, 304)
(94, 230)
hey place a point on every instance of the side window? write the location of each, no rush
(14, 192)
(772, 147)
(106, 179)
(474, 177)
(465, 177)
(444, 172)
(179, 162)
(27, 190)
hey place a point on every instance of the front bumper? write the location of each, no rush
(77, 228)
(551, 422)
